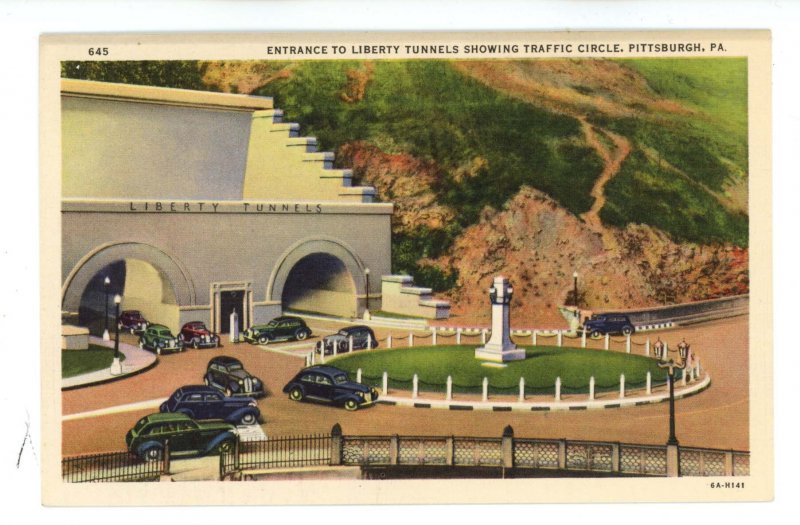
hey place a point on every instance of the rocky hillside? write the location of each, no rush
(631, 172)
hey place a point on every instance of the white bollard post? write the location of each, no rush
(697, 367)
(647, 347)
(335, 348)
(350, 343)
(385, 383)
(606, 345)
(410, 339)
(433, 332)
(389, 341)
(621, 386)
(322, 354)
(534, 338)
(683, 377)
(358, 375)
(369, 341)
(449, 395)
(558, 389)
(483, 336)
(458, 336)
(308, 358)
(521, 389)
(559, 338)
(583, 339)
(649, 386)
(313, 356)
(485, 396)
(415, 387)
(628, 344)
(591, 388)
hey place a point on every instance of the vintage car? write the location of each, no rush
(608, 323)
(158, 338)
(205, 402)
(227, 374)
(330, 385)
(363, 336)
(186, 436)
(283, 328)
(196, 335)
(133, 321)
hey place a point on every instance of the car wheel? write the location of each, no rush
(205, 380)
(248, 419)
(301, 335)
(226, 447)
(627, 330)
(595, 334)
(158, 350)
(141, 344)
(263, 340)
(195, 344)
(153, 454)
(120, 326)
(296, 394)
(228, 392)
(350, 404)
(133, 331)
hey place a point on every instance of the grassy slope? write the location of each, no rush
(540, 369)
(709, 147)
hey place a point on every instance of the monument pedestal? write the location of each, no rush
(499, 348)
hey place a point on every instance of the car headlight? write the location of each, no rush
(360, 394)
(252, 403)
(241, 381)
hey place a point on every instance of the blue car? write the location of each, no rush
(601, 324)
(205, 402)
(330, 385)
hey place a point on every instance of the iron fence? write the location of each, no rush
(279, 452)
(114, 466)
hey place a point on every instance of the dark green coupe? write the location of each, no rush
(159, 339)
(284, 328)
(186, 436)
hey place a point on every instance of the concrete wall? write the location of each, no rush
(688, 313)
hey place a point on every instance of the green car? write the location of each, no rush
(159, 339)
(284, 328)
(186, 436)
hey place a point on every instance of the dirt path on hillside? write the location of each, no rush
(612, 158)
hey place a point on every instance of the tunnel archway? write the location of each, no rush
(147, 279)
(320, 276)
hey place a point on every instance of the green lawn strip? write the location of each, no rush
(77, 362)
(541, 367)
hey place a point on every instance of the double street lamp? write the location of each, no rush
(116, 366)
(661, 351)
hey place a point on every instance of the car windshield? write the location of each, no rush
(339, 379)
(344, 332)
(272, 324)
(234, 366)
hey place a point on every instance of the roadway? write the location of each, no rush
(96, 418)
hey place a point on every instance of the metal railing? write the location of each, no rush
(114, 466)
(508, 451)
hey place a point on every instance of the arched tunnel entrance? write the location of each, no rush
(320, 283)
(142, 287)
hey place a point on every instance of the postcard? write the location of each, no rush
(380, 268)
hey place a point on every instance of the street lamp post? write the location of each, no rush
(116, 366)
(575, 288)
(366, 311)
(106, 282)
(661, 351)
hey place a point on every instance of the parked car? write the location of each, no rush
(362, 337)
(608, 323)
(196, 335)
(133, 321)
(205, 402)
(186, 436)
(159, 339)
(228, 375)
(283, 328)
(331, 385)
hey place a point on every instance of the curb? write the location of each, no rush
(563, 406)
(112, 378)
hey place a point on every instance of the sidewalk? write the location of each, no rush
(136, 361)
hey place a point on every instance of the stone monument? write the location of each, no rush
(499, 348)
